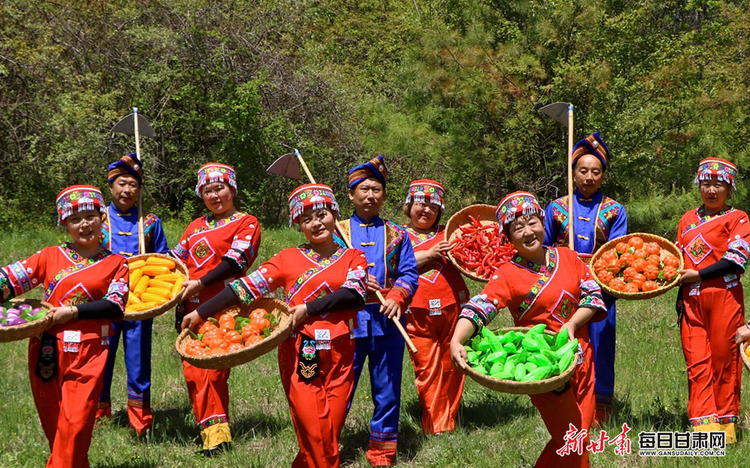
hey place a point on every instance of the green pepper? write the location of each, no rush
(496, 368)
(561, 338)
(549, 354)
(530, 366)
(539, 328)
(472, 357)
(572, 345)
(482, 346)
(508, 337)
(540, 373)
(480, 368)
(549, 339)
(487, 333)
(565, 361)
(519, 373)
(530, 344)
(495, 343)
(509, 366)
(502, 376)
(540, 360)
(498, 356)
(510, 348)
(523, 355)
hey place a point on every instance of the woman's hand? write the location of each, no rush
(688, 276)
(299, 315)
(458, 356)
(191, 320)
(743, 334)
(191, 289)
(390, 308)
(372, 284)
(571, 327)
(63, 314)
(439, 250)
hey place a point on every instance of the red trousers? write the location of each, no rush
(575, 406)
(209, 393)
(318, 407)
(439, 383)
(67, 403)
(713, 361)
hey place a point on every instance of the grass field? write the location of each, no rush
(494, 430)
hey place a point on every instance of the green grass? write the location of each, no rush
(494, 429)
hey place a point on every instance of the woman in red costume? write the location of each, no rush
(216, 249)
(542, 285)
(87, 287)
(714, 240)
(434, 309)
(325, 285)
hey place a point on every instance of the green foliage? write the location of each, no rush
(447, 89)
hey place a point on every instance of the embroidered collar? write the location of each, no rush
(703, 217)
(423, 237)
(319, 259)
(541, 269)
(79, 259)
(374, 221)
(595, 198)
(213, 223)
(133, 211)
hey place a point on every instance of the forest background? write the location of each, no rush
(445, 89)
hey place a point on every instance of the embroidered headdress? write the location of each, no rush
(126, 165)
(375, 167)
(719, 168)
(593, 145)
(517, 204)
(426, 190)
(215, 172)
(78, 198)
(315, 196)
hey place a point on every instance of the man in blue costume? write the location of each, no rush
(393, 271)
(120, 236)
(598, 219)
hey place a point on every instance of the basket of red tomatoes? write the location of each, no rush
(478, 245)
(637, 266)
(236, 335)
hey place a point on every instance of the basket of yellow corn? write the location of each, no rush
(155, 285)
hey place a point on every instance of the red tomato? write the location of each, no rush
(653, 259)
(669, 272)
(631, 288)
(599, 265)
(636, 242)
(609, 255)
(617, 284)
(628, 274)
(651, 271)
(671, 260)
(650, 286)
(638, 280)
(652, 248)
(621, 247)
(605, 276)
(626, 259)
(639, 264)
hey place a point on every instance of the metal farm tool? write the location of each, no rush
(136, 124)
(288, 166)
(562, 113)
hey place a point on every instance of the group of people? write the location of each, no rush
(346, 288)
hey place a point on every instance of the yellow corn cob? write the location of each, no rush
(140, 307)
(150, 297)
(136, 264)
(164, 292)
(141, 286)
(155, 283)
(135, 276)
(160, 261)
(133, 299)
(155, 270)
(177, 285)
(170, 277)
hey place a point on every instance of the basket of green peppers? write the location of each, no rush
(522, 360)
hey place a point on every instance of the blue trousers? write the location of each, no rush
(136, 344)
(386, 359)
(603, 342)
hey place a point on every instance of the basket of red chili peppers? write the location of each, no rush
(478, 245)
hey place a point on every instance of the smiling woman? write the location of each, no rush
(88, 288)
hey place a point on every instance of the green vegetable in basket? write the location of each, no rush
(530, 366)
(510, 348)
(536, 329)
(519, 373)
(498, 356)
(565, 361)
(561, 338)
(571, 345)
(540, 373)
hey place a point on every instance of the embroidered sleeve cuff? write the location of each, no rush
(243, 291)
(737, 257)
(407, 288)
(356, 280)
(468, 313)
(591, 295)
(180, 252)
(117, 293)
(479, 310)
(242, 253)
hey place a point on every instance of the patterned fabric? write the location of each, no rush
(722, 169)
(426, 190)
(315, 196)
(704, 240)
(120, 232)
(535, 294)
(375, 167)
(126, 165)
(215, 172)
(593, 145)
(78, 198)
(598, 220)
(517, 204)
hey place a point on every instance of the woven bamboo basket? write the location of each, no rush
(20, 332)
(225, 361)
(156, 311)
(524, 388)
(486, 215)
(745, 360)
(666, 246)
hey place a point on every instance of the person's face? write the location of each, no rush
(124, 190)
(423, 214)
(85, 227)
(368, 197)
(218, 197)
(588, 175)
(526, 234)
(714, 194)
(317, 225)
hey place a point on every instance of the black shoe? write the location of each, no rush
(217, 450)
